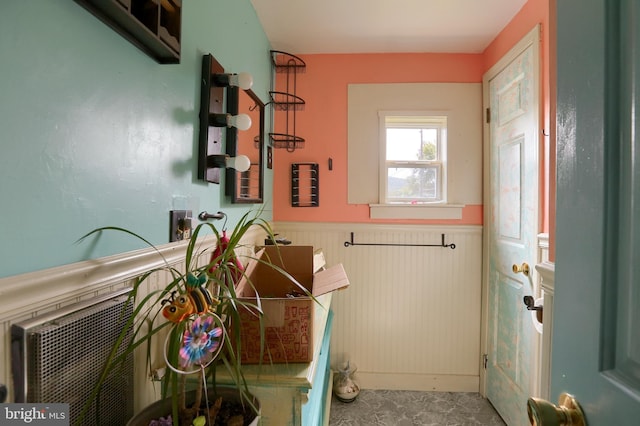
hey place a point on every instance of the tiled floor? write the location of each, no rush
(403, 408)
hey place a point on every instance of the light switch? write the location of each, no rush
(179, 225)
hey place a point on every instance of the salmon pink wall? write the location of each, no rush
(323, 125)
(532, 13)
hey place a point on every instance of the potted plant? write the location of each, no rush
(196, 317)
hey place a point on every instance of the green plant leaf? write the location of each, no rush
(146, 324)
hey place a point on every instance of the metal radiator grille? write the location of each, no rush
(60, 359)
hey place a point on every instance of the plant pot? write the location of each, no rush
(163, 408)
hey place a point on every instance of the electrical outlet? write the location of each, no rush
(179, 225)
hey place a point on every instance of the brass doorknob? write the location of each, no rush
(524, 268)
(544, 413)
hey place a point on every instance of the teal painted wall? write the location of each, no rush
(94, 132)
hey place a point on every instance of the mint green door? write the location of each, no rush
(512, 228)
(596, 336)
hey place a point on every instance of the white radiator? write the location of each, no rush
(411, 317)
(57, 358)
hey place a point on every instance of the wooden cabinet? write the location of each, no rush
(297, 394)
(154, 26)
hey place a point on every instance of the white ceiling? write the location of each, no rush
(383, 26)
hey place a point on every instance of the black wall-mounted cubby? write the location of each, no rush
(154, 26)
(305, 185)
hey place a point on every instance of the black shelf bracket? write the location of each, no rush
(442, 244)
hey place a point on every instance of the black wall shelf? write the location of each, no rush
(287, 100)
(283, 140)
(154, 26)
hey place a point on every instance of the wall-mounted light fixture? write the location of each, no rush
(213, 118)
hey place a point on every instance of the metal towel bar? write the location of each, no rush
(442, 244)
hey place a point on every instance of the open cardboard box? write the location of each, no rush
(288, 311)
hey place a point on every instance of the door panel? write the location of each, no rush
(510, 194)
(507, 331)
(512, 230)
(596, 336)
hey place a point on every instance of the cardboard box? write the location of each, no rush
(288, 311)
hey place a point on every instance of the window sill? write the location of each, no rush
(412, 211)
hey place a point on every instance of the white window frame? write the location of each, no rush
(428, 119)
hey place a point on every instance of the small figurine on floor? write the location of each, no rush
(344, 388)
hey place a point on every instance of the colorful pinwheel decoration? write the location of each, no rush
(201, 342)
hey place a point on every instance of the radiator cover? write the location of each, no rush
(57, 357)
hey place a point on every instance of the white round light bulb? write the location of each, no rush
(240, 121)
(243, 80)
(241, 163)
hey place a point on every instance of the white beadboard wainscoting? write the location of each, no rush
(411, 317)
(30, 295)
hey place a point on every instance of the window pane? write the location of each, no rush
(407, 144)
(429, 144)
(406, 184)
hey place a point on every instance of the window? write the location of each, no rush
(460, 151)
(413, 160)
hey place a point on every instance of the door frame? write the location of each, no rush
(532, 38)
